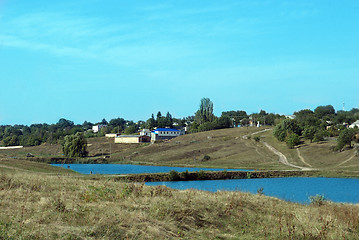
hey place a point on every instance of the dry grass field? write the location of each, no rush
(43, 206)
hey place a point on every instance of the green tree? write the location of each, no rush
(345, 138)
(205, 112)
(130, 129)
(104, 122)
(151, 123)
(117, 129)
(292, 140)
(162, 122)
(307, 117)
(324, 111)
(309, 132)
(64, 123)
(344, 117)
(222, 122)
(159, 115)
(75, 145)
(169, 120)
(117, 122)
(207, 126)
(286, 127)
(87, 125)
(11, 141)
(194, 127)
(235, 116)
(319, 135)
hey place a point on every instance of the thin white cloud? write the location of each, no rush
(161, 34)
(62, 34)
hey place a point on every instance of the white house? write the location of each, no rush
(145, 132)
(97, 128)
(354, 124)
(165, 134)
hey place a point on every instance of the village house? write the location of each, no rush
(160, 134)
(97, 128)
(132, 139)
(145, 132)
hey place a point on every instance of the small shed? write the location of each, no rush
(132, 139)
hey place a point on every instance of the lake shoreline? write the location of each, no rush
(216, 175)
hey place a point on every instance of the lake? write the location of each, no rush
(132, 169)
(295, 189)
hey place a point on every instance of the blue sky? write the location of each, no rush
(88, 60)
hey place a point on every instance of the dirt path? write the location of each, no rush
(302, 159)
(345, 161)
(283, 159)
(265, 130)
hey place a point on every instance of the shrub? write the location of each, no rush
(257, 139)
(260, 191)
(174, 176)
(201, 175)
(206, 158)
(59, 205)
(317, 200)
(185, 175)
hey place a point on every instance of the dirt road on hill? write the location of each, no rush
(265, 130)
(350, 158)
(283, 159)
(302, 159)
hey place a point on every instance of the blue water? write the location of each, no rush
(294, 189)
(131, 169)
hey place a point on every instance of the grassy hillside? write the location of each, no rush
(39, 206)
(21, 166)
(97, 147)
(231, 148)
(226, 148)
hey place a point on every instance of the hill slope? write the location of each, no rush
(237, 148)
(225, 148)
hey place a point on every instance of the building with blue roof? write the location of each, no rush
(161, 134)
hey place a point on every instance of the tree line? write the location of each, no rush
(316, 125)
(205, 120)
